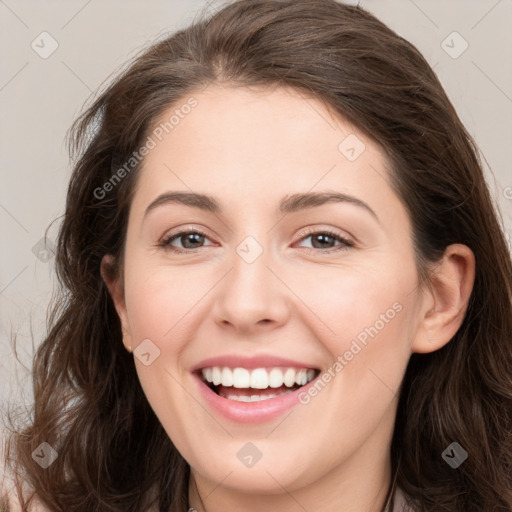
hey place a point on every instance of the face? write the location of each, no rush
(271, 327)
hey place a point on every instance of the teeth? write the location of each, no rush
(227, 377)
(301, 377)
(241, 378)
(207, 374)
(289, 378)
(259, 378)
(216, 375)
(232, 395)
(252, 398)
(275, 378)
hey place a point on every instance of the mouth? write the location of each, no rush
(255, 384)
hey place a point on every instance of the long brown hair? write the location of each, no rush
(113, 454)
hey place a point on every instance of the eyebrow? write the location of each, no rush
(289, 204)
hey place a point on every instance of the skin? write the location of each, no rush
(249, 148)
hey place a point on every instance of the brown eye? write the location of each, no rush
(325, 241)
(187, 240)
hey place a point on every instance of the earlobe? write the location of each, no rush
(116, 290)
(446, 300)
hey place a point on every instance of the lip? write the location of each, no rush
(249, 412)
(249, 362)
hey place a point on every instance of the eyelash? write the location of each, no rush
(346, 244)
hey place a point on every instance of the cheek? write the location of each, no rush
(352, 303)
(367, 329)
(158, 299)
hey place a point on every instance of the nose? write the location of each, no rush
(251, 297)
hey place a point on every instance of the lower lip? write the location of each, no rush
(250, 412)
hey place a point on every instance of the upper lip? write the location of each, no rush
(250, 362)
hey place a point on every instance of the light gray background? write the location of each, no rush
(39, 98)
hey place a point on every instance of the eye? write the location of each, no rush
(323, 241)
(194, 239)
(189, 240)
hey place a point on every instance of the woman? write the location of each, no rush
(339, 337)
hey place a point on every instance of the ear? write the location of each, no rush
(445, 299)
(115, 286)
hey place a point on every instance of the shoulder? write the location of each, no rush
(400, 502)
(9, 499)
(11, 503)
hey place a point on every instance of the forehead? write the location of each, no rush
(258, 142)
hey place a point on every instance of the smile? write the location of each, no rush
(257, 384)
